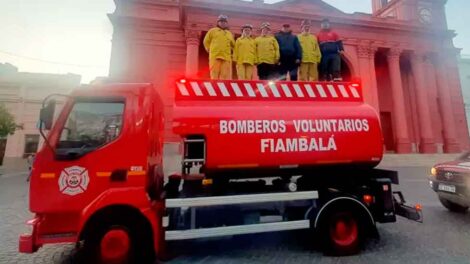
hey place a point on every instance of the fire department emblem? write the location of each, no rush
(73, 180)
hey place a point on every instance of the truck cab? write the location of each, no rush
(101, 156)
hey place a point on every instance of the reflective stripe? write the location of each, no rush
(47, 175)
(236, 89)
(135, 173)
(223, 89)
(274, 90)
(354, 92)
(103, 174)
(210, 89)
(343, 91)
(182, 89)
(249, 89)
(309, 89)
(196, 88)
(261, 90)
(332, 90)
(321, 90)
(298, 91)
(286, 90)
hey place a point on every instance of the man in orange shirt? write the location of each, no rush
(331, 48)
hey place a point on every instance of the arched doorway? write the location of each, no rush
(385, 100)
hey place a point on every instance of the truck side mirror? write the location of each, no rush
(46, 115)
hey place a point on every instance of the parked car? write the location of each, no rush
(451, 181)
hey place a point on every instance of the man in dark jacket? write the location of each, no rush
(291, 53)
(331, 49)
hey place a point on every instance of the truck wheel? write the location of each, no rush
(453, 207)
(341, 232)
(123, 241)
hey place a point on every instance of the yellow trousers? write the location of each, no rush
(308, 71)
(220, 69)
(245, 71)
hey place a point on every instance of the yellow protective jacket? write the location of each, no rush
(219, 44)
(267, 50)
(310, 49)
(245, 51)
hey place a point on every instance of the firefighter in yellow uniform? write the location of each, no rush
(245, 54)
(267, 53)
(311, 55)
(219, 43)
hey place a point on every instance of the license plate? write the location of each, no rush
(446, 188)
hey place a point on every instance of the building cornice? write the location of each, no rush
(260, 10)
(356, 19)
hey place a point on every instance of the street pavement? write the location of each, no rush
(444, 237)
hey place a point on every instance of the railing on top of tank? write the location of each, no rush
(190, 89)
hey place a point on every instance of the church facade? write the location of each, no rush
(403, 54)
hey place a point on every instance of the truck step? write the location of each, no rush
(240, 199)
(236, 230)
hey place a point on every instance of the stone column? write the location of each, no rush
(445, 105)
(403, 144)
(192, 52)
(431, 88)
(427, 142)
(373, 78)
(366, 55)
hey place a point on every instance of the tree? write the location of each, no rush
(7, 127)
(7, 122)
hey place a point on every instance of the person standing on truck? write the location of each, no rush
(291, 53)
(311, 54)
(331, 48)
(245, 54)
(219, 43)
(267, 53)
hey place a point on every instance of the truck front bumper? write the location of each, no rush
(41, 234)
(27, 242)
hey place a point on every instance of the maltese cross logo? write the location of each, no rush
(73, 180)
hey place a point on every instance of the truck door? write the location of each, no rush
(96, 144)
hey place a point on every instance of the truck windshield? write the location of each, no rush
(89, 126)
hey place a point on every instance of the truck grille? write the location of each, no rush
(452, 176)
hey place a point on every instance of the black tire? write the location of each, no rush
(348, 244)
(451, 206)
(140, 241)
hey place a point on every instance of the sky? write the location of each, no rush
(74, 36)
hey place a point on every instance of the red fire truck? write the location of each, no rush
(302, 151)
